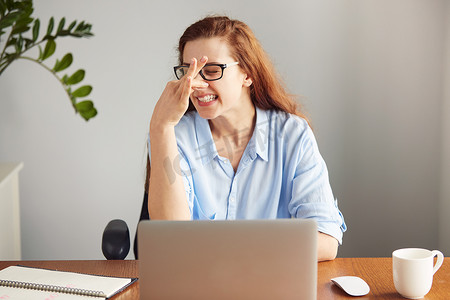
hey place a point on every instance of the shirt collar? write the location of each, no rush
(258, 144)
(206, 148)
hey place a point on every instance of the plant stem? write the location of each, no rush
(4, 48)
(5, 64)
(38, 62)
(54, 74)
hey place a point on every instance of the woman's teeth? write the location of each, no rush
(207, 98)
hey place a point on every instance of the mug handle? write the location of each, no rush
(440, 259)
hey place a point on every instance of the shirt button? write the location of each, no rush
(232, 199)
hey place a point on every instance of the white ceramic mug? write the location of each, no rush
(413, 271)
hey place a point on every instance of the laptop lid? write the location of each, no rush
(243, 259)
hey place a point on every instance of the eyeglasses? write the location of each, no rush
(209, 72)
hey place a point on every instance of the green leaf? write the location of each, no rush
(36, 27)
(82, 30)
(49, 49)
(20, 29)
(9, 20)
(51, 24)
(86, 109)
(2, 8)
(23, 21)
(10, 4)
(65, 62)
(64, 79)
(61, 25)
(89, 114)
(40, 52)
(80, 26)
(19, 44)
(72, 25)
(76, 77)
(84, 106)
(25, 6)
(64, 33)
(11, 42)
(28, 43)
(83, 91)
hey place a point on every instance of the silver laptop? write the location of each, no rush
(245, 259)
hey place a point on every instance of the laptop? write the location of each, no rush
(239, 260)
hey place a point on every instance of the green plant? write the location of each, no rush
(15, 18)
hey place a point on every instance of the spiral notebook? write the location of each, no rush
(23, 283)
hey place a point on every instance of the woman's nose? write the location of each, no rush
(204, 83)
(200, 83)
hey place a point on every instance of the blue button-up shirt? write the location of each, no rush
(281, 173)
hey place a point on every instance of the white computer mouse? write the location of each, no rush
(352, 285)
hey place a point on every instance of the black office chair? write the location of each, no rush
(116, 236)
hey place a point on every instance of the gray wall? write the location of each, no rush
(370, 74)
(444, 208)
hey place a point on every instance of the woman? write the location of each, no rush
(228, 142)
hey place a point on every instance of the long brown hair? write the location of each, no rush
(267, 90)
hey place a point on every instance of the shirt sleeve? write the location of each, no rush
(312, 196)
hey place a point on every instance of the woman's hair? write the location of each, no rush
(267, 91)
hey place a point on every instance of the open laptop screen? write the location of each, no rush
(243, 259)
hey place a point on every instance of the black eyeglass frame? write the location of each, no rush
(222, 67)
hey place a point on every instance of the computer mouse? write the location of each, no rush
(352, 285)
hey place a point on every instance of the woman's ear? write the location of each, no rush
(247, 81)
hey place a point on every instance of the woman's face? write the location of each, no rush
(227, 97)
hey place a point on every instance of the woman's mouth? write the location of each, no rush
(207, 98)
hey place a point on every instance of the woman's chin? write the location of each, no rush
(207, 112)
(208, 115)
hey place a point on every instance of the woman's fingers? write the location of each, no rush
(196, 66)
(187, 87)
(190, 85)
(174, 100)
(191, 77)
(202, 63)
(192, 68)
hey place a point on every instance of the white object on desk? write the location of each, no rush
(10, 248)
(18, 282)
(352, 285)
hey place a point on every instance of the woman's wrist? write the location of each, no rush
(158, 128)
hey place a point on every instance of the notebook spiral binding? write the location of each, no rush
(51, 288)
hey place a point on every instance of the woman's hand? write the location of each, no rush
(167, 196)
(174, 100)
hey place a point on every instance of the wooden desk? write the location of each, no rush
(376, 271)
